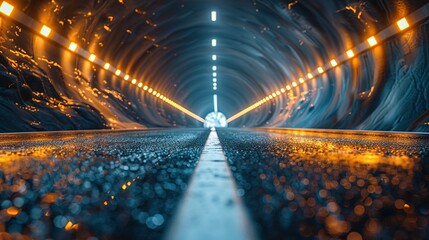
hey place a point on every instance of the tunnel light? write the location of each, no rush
(334, 63)
(214, 68)
(278, 92)
(274, 95)
(214, 74)
(150, 90)
(288, 87)
(118, 72)
(214, 42)
(126, 77)
(372, 41)
(403, 24)
(301, 80)
(45, 31)
(214, 79)
(92, 58)
(309, 75)
(270, 97)
(283, 90)
(145, 88)
(72, 46)
(107, 66)
(350, 53)
(214, 84)
(154, 93)
(140, 85)
(294, 84)
(320, 69)
(214, 57)
(158, 94)
(134, 81)
(6, 8)
(214, 16)
(215, 88)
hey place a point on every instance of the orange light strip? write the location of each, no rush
(392, 30)
(9, 10)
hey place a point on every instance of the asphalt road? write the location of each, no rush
(111, 185)
(330, 185)
(294, 184)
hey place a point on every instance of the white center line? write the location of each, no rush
(211, 208)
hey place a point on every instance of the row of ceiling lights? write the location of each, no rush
(8, 10)
(372, 41)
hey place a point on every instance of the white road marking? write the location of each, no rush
(211, 208)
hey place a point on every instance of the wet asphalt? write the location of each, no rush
(99, 185)
(294, 184)
(307, 185)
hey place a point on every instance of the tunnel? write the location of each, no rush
(193, 119)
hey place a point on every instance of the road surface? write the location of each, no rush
(284, 184)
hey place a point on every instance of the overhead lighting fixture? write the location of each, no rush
(320, 69)
(73, 46)
(282, 90)
(134, 81)
(372, 41)
(45, 31)
(118, 72)
(214, 57)
(214, 79)
(350, 53)
(92, 57)
(214, 42)
(107, 66)
(126, 77)
(6, 8)
(145, 88)
(214, 16)
(288, 87)
(301, 80)
(403, 24)
(334, 63)
(214, 84)
(214, 68)
(140, 85)
(214, 74)
(309, 75)
(294, 84)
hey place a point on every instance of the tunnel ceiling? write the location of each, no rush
(261, 45)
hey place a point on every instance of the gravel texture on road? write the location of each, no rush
(300, 185)
(94, 185)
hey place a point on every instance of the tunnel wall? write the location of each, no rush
(263, 45)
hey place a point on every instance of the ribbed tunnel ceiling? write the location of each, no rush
(261, 45)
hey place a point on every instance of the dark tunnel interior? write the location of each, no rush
(261, 46)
